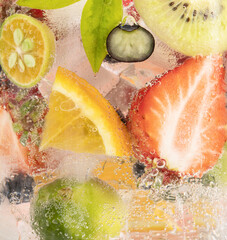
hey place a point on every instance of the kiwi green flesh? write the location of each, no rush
(219, 172)
(196, 27)
(130, 43)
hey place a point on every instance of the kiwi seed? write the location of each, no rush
(191, 27)
(204, 13)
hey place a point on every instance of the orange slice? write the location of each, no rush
(80, 119)
(27, 48)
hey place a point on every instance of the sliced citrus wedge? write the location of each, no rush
(80, 119)
(27, 49)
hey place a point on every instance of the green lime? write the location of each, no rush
(67, 209)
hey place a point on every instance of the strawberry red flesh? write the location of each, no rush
(181, 116)
(130, 9)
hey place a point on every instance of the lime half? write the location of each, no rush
(27, 49)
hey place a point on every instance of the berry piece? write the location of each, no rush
(138, 169)
(37, 13)
(130, 43)
(19, 188)
(181, 116)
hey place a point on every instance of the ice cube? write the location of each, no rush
(163, 56)
(134, 77)
(141, 73)
(71, 164)
(64, 20)
(121, 96)
(25, 231)
(8, 223)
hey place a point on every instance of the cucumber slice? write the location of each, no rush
(127, 43)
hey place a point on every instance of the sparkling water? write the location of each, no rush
(191, 209)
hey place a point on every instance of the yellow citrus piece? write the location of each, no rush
(145, 215)
(80, 119)
(117, 172)
(27, 49)
(204, 213)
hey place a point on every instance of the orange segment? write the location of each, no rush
(146, 215)
(80, 119)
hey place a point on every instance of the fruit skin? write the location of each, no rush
(197, 37)
(89, 210)
(188, 132)
(49, 54)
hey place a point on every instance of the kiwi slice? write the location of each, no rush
(191, 27)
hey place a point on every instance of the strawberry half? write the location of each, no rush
(181, 116)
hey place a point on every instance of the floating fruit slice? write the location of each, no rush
(190, 27)
(88, 210)
(145, 215)
(181, 116)
(128, 43)
(27, 48)
(12, 152)
(80, 119)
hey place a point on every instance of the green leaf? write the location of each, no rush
(99, 17)
(45, 4)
